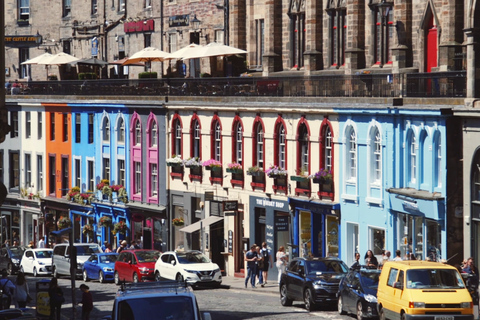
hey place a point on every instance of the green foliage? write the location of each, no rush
(147, 75)
(87, 76)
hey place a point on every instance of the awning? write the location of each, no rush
(205, 222)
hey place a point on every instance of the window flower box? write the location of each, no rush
(299, 178)
(175, 161)
(212, 165)
(235, 171)
(276, 172)
(323, 177)
(234, 167)
(255, 171)
(194, 162)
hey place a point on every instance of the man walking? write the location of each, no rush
(251, 258)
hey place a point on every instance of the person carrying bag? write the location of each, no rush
(8, 289)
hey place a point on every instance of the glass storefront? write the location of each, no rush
(325, 232)
(332, 236)
(412, 232)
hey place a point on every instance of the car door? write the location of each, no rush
(353, 292)
(291, 279)
(346, 291)
(123, 265)
(28, 262)
(90, 266)
(163, 266)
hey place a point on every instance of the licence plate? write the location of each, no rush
(210, 278)
(444, 317)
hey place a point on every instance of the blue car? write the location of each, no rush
(100, 267)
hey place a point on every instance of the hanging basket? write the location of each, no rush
(178, 222)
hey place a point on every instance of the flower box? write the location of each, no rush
(232, 170)
(174, 164)
(277, 176)
(214, 168)
(299, 178)
(322, 181)
(255, 173)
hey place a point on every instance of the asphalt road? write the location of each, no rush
(223, 303)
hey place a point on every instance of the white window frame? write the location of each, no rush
(412, 157)
(28, 170)
(121, 131)
(178, 138)
(39, 172)
(438, 159)
(218, 142)
(28, 125)
(153, 180)
(328, 152)
(106, 130)
(106, 168)
(282, 140)
(90, 173)
(153, 135)
(138, 133)
(196, 138)
(260, 147)
(77, 171)
(239, 143)
(137, 165)
(121, 171)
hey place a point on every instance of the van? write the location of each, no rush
(422, 290)
(61, 257)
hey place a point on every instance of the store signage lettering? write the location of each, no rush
(281, 223)
(139, 26)
(230, 241)
(410, 206)
(179, 21)
(18, 41)
(267, 203)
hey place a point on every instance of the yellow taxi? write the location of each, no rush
(422, 290)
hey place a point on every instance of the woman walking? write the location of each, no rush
(56, 299)
(21, 291)
(281, 262)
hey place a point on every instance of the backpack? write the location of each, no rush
(265, 255)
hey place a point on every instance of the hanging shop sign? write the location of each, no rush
(23, 41)
(182, 20)
(139, 26)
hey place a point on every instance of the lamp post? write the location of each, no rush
(226, 21)
(384, 9)
(196, 25)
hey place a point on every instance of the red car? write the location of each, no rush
(136, 265)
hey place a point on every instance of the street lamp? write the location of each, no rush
(226, 21)
(384, 9)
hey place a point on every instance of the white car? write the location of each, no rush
(191, 266)
(37, 261)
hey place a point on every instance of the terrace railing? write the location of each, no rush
(441, 84)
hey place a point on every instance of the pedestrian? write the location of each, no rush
(251, 258)
(472, 280)
(8, 290)
(267, 262)
(31, 244)
(56, 299)
(21, 293)
(104, 245)
(370, 259)
(108, 248)
(41, 243)
(137, 244)
(412, 257)
(281, 262)
(385, 258)
(87, 301)
(356, 264)
(123, 246)
(259, 267)
(398, 256)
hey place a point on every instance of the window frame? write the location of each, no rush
(28, 125)
(39, 124)
(258, 137)
(78, 127)
(195, 137)
(14, 124)
(216, 139)
(237, 143)
(106, 130)
(39, 172)
(23, 11)
(280, 144)
(303, 147)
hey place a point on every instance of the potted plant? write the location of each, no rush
(254, 171)
(302, 175)
(175, 161)
(276, 172)
(178, 222)
(105, 222)
(212, 164)
(193, 162)
(72, 193)
(120, 227)
(234, 167)
(64, 222)
(323, 176)
(88, 230)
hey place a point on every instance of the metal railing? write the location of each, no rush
(441, 84)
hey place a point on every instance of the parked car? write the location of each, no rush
(156, 301)
(37, 261)
(422, 290)
(191, 266)
(136, 265)
(100, 266)
(61, 257)
(357, 292)
(312, 280)
(10, 258)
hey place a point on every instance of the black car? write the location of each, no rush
(312, 280)
(357, 293)
(10, 258)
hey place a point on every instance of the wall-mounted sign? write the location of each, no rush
(94, 47)
(139, 26)
(230, 205)
(23, 41)
(230, 241)
(281, 223)
(182, 20)
(208, 195)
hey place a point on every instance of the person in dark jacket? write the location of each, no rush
(87, 302)
(56, 299)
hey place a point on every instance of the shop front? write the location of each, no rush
(315, 228)
(147, 224)
(418, 224)
(54, 211)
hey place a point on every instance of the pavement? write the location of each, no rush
(239, 283)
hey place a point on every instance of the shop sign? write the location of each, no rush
(208, 195)
(182, 20)
(230, 241)
(281, 223)
(230, 205)
(94, 47)
(139, 26)
(23, 41)
(270, 203)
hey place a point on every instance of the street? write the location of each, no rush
(223, 303)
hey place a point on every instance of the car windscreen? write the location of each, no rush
(44, 254)
(147, 256)
(326, 266)
(434, 279)
(157, 308)
(87, 250)
(17, 252)
(108, 259)
(369, 279)
(192, 257)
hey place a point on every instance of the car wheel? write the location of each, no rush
(359, 310)
(308, 299)
(135, 277)
(101, 279)
(404, 316)
(381, 313)
(85, 276)
(10, 269)
(179, 278)
(157, 276)
(284, 300)
(340, 305)
(34, 271)
(117, 278)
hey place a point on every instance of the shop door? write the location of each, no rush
(352, 243)
(216, 244)
(260, 218)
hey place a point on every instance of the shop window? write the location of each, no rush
(331, 240)
(305, 232)
(433, 250)
(376, 242)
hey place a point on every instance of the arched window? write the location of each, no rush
(437, 165)
(375, 156)
(195, 137)
(106, 129)
(351, 152)
(259, 151)
(412, 157)
(177, 135)
(280, 156)
(237, 155)
(216, 140)
(138, 133)
(121, 131)
(153, 134)
(326, 160)
(303, 149)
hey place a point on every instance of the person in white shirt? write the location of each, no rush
(398, 256)
(41, 243)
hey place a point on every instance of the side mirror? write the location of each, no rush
(94, 261)
(398, 285)
(30, 258)
(301, 271)
(129, 261)
(207, 316)
(352, 286)
(173, 262)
